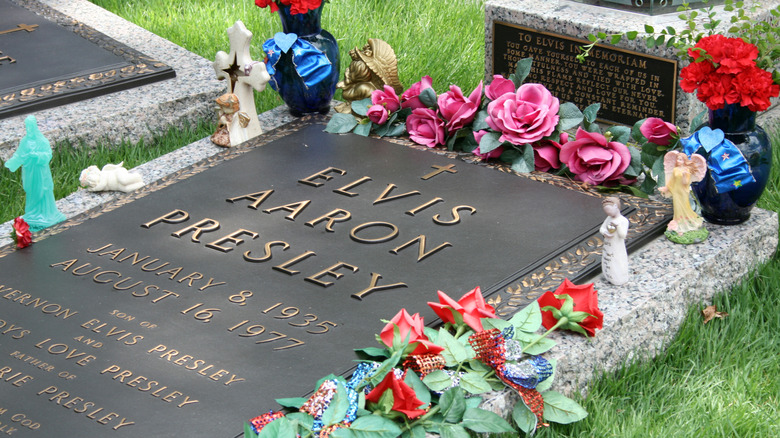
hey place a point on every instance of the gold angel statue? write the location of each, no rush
(680, 171)
(371, 68)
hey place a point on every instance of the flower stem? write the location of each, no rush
(426, 416)
(564, 320)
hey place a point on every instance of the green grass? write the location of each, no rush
(719, 379)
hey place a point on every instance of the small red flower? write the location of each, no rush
(586, 300)
(413, 327)
(21, 233)
(404, 398)
(471, 308)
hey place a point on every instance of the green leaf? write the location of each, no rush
(620, 134)
(491, 323)
(480, 122)
(524, 418)
(547, 383)
(569, 116)
(373, 352)
(632, 35)
(635, 167)
(561, 409)
(372, 426)
(415, 432)
(482, 421)
(338, 406)
(420, 390)
(636, 132)
(453, 431)
(437, 380)
(658, 171)
(453, 405)
(363, 128)
(474, 383)
(522, 70)
(524, 163)
(428, 98)
(529, 319)
(473, 402)
(249, 431)
(615, 38)
(279, 428)
(303, 419)
(360, 107)
(454, 352)
(649, 29)
(591, 112)
(385, 367)
(341, 123)
(489, 142)
(540, 347)
(292, 402)
(700, 120)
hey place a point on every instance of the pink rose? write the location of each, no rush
(425, 127)
(524, 117)
(547, 152)
(499, 87)
(387, 98)
(594, 160)
(495, 153)
(377, 114)
(456, 109)
(657, 131)
(411, 97)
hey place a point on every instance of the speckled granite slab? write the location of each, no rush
(577, 20)
(132, 113)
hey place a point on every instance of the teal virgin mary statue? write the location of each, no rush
(34, 155)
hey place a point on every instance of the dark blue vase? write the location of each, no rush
(730, 208)
(299, 98)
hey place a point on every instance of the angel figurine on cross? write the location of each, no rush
(237, 114)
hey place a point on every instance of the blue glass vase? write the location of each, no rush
(738, 124)
(299, 98)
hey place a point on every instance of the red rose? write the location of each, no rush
(404, 398)
(586, 300)
(469, 309)
(21, 234)
(412, 326)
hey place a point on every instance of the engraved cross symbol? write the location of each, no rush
(450, 168)
(27, 27)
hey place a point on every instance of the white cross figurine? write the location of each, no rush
(243, 76)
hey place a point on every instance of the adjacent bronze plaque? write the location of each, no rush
(629, 85)
(48, 59)
(188, 307)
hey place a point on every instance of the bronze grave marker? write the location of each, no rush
(186, 308)
(47, 59)
(629, 85)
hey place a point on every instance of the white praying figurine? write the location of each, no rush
(243, 76)
(614, 258)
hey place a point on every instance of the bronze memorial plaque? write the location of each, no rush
(48, 59)
(629, 85)
(186, 308)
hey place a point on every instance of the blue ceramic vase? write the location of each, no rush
(300, 98)
(730, 208)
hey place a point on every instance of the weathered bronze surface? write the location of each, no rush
(47, 59)
(629, 85)
(187, 307)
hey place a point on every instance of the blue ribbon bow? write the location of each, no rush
(311, 64)
(728, 167)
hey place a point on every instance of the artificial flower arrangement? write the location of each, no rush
(296, 6)
(426, 380)
(518, 123)
(20, 233)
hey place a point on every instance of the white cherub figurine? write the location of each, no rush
(111, 177)
(614, 258)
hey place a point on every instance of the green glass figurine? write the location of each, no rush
(34, 155)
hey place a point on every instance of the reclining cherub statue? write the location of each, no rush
(110, 177)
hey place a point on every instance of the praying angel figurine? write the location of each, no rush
(33, 156)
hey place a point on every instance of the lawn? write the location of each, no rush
(719, 379)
